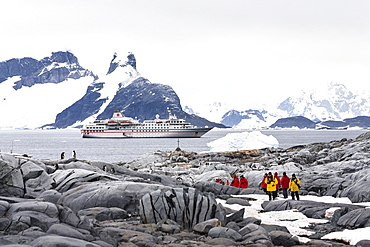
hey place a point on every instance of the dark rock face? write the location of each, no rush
(298, 121)
(54, 69)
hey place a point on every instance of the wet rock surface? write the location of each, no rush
(171, 199)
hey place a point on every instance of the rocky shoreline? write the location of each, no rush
(171, 199)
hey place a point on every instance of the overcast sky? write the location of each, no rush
(245, 53)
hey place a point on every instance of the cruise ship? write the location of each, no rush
(120, 126)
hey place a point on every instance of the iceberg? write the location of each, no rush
(243, 141)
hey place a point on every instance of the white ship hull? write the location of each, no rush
(196, 133)
(120, 126)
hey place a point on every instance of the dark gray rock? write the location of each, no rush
(224, 232)
(217, 189)
(71, 218)
(4, 223)
(232, 225)
(101, 213)
(22, 177)
(205, 226)
(33, 232)
(4, 205)
(49, 209)
(356, 218)
(31, 218)
(121, 194)
(50, 196)
(285, 239)
(239, 201)
(169, 226)
(56, 241)
(363, 243)
(270, 228)
(255, 234)
(221, 242)
(236, 217)
(72, 178)
(247, 221)
(113, 235)
(68, 231)
(15, 240)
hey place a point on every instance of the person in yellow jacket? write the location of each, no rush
(272, 184)
(294, 186)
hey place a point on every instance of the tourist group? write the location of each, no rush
(271, 184)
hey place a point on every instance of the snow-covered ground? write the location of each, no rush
(295, 221)
(32, 107)
(243, 141)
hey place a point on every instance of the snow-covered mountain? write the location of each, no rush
(33, 92)
(56, 92)
(335, 102)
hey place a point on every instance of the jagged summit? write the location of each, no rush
(117, 62)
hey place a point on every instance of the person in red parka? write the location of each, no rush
(278, 184)
(263, 183)
(243, 182)
(235, 182)
(285, 184)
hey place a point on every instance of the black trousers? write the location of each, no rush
(295, 194)
(285, 193)
(272, 195)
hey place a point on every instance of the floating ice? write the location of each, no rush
(243, 141)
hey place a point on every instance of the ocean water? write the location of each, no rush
(48, 144)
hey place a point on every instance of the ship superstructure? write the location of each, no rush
(120, 126)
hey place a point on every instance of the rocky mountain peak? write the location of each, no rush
(118, 62)
(61, 57)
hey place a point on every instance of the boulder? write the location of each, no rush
(4, 205)
(124, 237)
(102, 213)
(22, 177)
(68, 231)
(187, 206)
(50, 196)
(236, 217)
(255, 234)
(216, 188)
(47, 208)
(168, 226)
(221, 242)
(285, 239)
(224, 232)
(205, 226)
(121, 194)
(69, 217)
(239, 201)
(56, 241)
(356, 218)
(72, 178)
